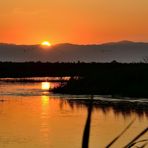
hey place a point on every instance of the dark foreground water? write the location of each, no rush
(32, 117)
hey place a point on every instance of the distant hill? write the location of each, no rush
(123, 51)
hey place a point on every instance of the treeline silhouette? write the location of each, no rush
(87, 78)
(113, 69)
(31, 69)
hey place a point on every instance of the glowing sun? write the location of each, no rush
(46, 43)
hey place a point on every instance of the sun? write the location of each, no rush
(46, 43)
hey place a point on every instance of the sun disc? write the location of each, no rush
(46, 43)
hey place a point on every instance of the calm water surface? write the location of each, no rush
(32, 117)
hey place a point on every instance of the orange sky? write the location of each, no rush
(73, 21)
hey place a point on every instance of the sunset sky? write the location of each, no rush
(73, 21)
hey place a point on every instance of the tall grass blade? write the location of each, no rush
(145, 140)
(130, 144)
(144, 145)
(115, 139)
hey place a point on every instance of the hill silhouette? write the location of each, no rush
(123, 51)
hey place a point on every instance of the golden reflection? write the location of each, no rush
(44, 127)
(45, 101)
(46, 85)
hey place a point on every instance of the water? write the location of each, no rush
(32, 117)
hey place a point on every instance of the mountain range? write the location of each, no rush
(123, 51)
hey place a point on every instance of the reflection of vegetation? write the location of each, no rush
(126, 108)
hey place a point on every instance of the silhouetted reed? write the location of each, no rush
(116, 138)
(134, 141)
(105, 106)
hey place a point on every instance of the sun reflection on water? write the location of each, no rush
(44, 126)
(45, 102)
(45, 85)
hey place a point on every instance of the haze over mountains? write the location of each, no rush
(124, 51)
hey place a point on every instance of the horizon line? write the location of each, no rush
(88, 44)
